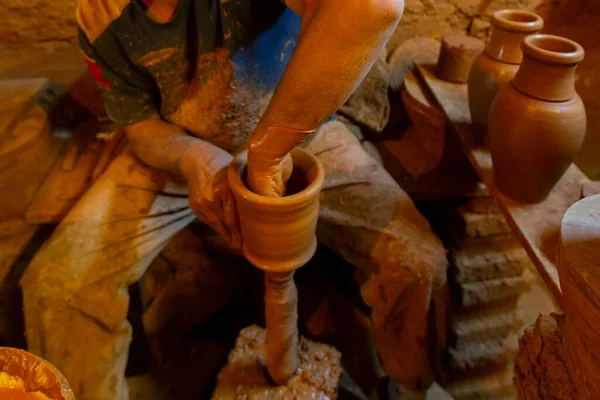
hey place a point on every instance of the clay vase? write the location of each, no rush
(498, 63)
(37, 374)
(537, 122)
(279, 233)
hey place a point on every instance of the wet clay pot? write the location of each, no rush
(279, 233)
(25, 376)
(498, 63)
(537, 122)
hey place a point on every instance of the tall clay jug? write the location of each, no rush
(498, 63)
(537, 122)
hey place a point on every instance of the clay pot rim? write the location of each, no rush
(238, 165)
(536, 46)
(509, 20)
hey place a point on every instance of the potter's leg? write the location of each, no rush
(191, 279)
(75, 289)
(367, 219)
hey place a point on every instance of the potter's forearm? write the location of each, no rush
(161, 144)
(339, 42)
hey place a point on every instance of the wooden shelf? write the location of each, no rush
(537, 226)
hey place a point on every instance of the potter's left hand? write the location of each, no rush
(210, 197)
(269, 162)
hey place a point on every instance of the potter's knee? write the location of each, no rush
(32, 277)
(41, 279)
(432, 273)
(437, 267)
(428, 262)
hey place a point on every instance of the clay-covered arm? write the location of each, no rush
(339, 42)
(160, 144)
(203, 165)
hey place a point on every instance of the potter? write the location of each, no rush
(498, 63)
(194, 82)
(537, 122)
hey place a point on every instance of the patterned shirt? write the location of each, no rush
(210, 70)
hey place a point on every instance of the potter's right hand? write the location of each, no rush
(269, 162)
(210, 197)
(269, 178)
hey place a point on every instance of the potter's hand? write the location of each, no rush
(269, 162)
(268, 178)
(205, 168)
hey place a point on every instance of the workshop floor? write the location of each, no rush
(185, 365)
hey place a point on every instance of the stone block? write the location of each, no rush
(485, 325)
(245, 376)
(391, 391)
(496, 385)
(490, 260)
(482, 224)
(467, 225)
(483, 354)
(494, 290)
(481, 205)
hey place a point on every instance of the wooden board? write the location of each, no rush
(17, 96)
(27, 153)
(536, 226)
(82, 161)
